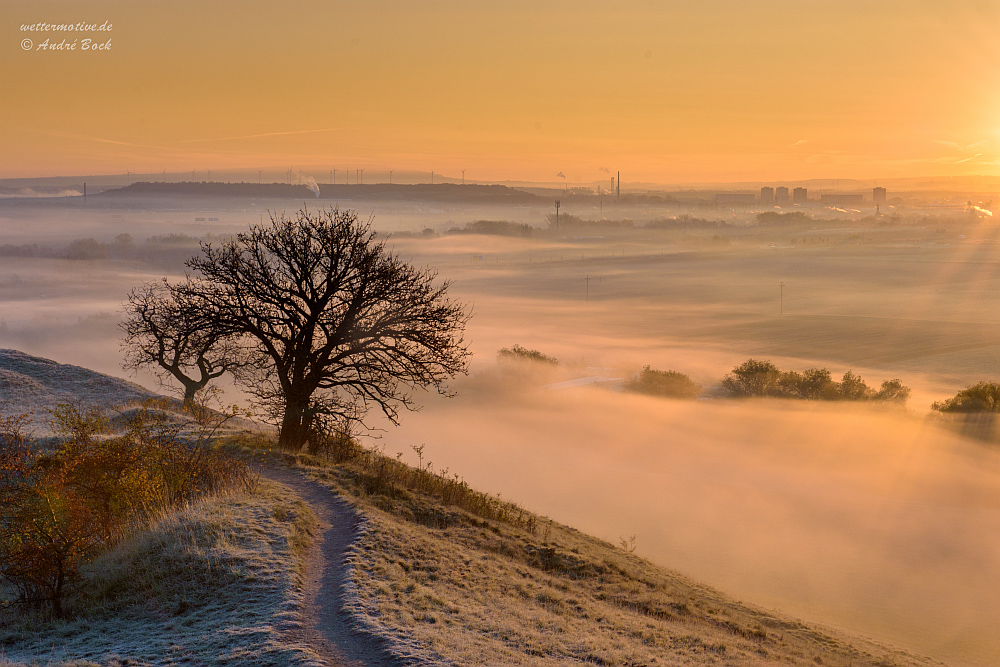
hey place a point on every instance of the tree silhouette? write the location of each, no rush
(176, 338)
(334, 322)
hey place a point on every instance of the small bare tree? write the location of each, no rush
(176, 338)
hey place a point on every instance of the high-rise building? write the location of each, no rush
(766, 196)
(781, 196)
(800, 196)
(878, 195)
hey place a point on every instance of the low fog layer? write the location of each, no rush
(878, 521)
(865, 518)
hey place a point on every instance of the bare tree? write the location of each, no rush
(340, 323)
(176, 338)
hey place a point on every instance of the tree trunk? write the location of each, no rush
(57, 592)
(294, 425)
(191, 389)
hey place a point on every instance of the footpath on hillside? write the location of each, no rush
(326, 626)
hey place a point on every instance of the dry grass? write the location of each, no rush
(214, 584)
(389, 483)
(445, 585)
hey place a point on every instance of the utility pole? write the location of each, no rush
(334, 176)
(362, 177)
(557, 215)
(588, 288)
(260, 176)
(84, 193)
(618, 197)
(781, 301)
(463, 177)
(432, 178)
(390, 177)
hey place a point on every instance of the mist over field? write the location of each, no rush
(877, 520)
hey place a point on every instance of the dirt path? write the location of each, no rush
(325, 625)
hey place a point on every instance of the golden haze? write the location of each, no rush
(667, 92)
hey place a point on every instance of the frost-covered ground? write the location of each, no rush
(30, 384)
(215, 584)
(446, 587)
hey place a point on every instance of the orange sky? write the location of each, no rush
(667, 92)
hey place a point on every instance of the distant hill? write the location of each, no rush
(32, 384)
(442, 192)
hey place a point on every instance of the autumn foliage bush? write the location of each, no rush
(104, 479)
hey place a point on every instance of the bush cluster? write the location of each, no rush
(662, 383)
(980, 397)
(757, 378)
(494, 228)
(103, 480)
(517, 354)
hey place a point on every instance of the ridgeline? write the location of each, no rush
(441, 192)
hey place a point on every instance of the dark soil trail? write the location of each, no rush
(326, 626)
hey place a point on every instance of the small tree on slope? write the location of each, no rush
(176, 338)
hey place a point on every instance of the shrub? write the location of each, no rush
(388, 479)
(812, 384)
(43, 523)
(663, 383)
(60, 509)
(493, 228)
(517, 354)
(853, 388)
(86, 249)
(980, 397)
(333, 439)
(753, 378)
(892, 391)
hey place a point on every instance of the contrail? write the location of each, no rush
(952, 144)
(263, 134)
(67, 135)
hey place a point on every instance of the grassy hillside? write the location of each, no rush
(444, 584)
(446, 574)
(33, 384)
(215, 583)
